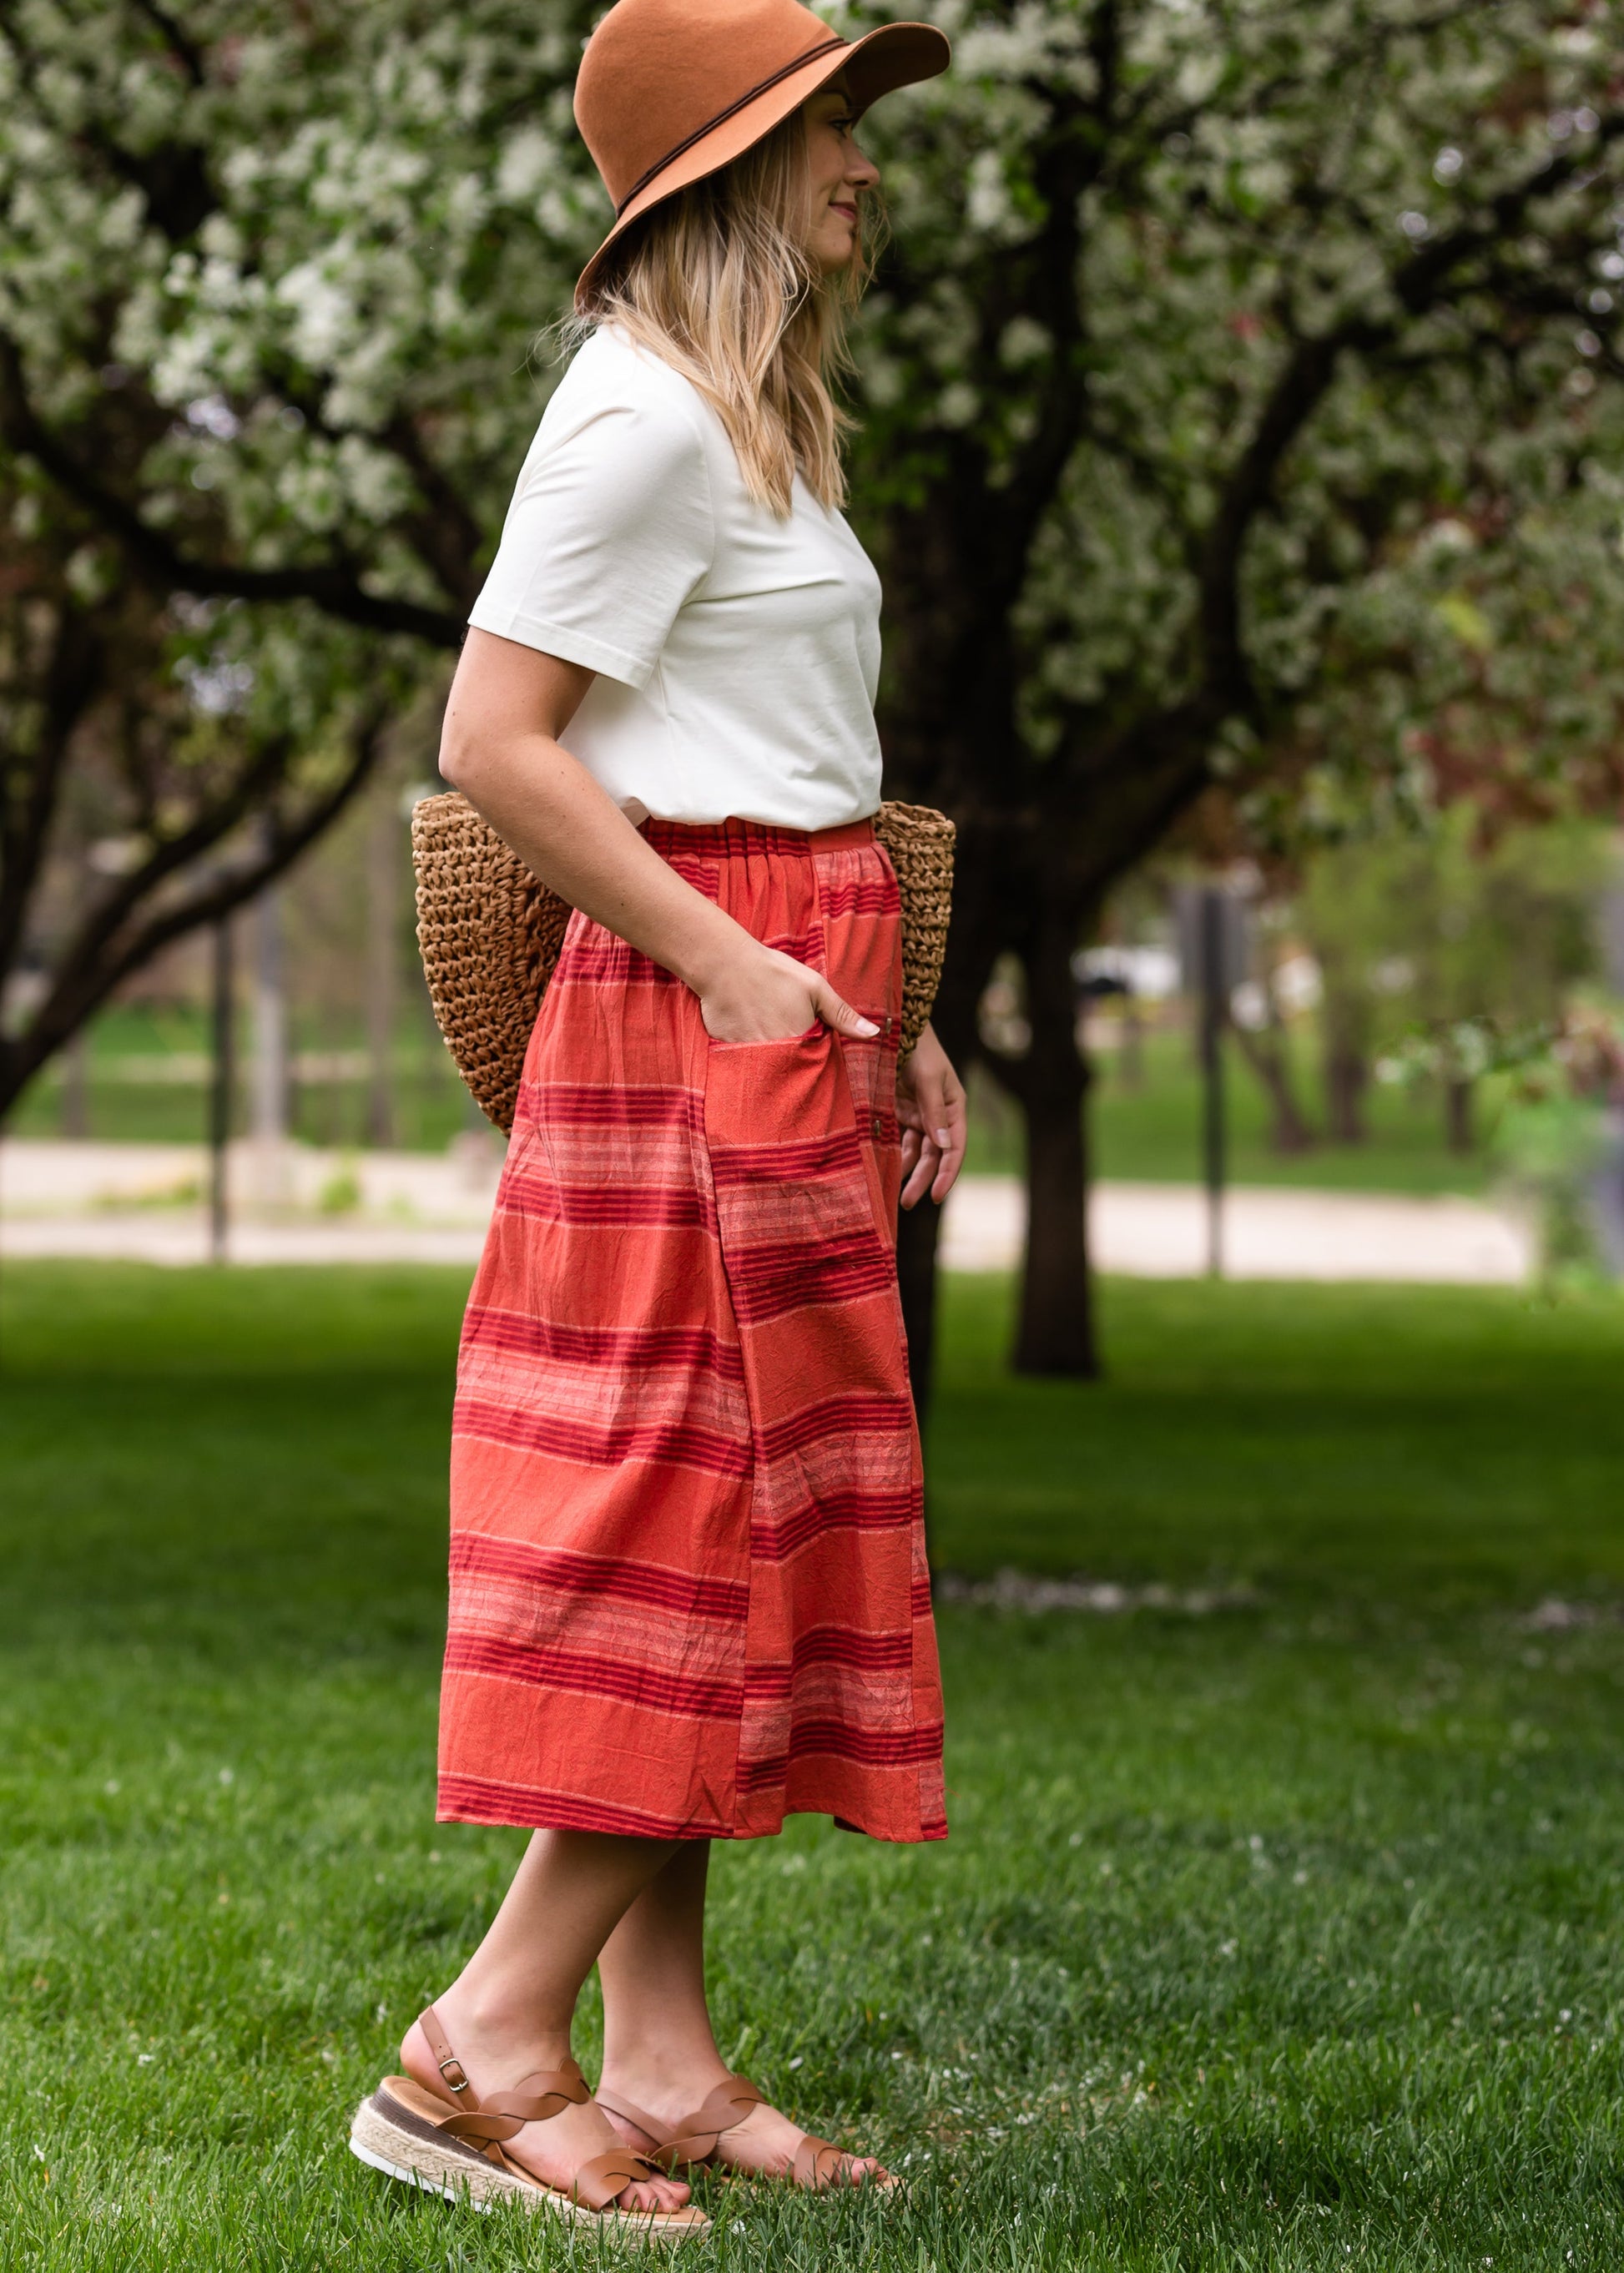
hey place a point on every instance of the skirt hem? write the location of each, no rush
(500, 1805)
(567, 1819)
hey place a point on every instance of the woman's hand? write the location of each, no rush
(930, 1105)
(755, 994)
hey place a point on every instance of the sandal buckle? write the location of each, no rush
(460, 2082)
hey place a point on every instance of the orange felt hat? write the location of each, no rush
(672, 90)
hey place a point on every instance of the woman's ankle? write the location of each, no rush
(658, 2072)
(493, 2031)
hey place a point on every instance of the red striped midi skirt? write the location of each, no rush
(688, 1588)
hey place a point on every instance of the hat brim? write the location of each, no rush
(896, 54)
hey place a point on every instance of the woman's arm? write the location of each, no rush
(508, 706)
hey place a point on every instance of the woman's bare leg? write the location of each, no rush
(656, 2025)
(660, 2052)
(509, 2011)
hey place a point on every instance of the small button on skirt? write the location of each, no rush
(688, 1588)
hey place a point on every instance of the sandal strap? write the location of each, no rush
(596, 2183)
(480, 2128)
(818, 2163)
(695, 2137)
(598, 2180)
(652, 2129)
(698, 2135)
(541, 2094)
(453, 2077)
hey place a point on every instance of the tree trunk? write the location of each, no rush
(383, 864)
(1458, 1130)
(1055, 1333)
(918, 1231)
(76, 1086)
(1346, 1078)
(1265, 1053)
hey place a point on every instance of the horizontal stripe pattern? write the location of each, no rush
(845, 1741)
(689, 1591)
(489, 1799)
(677, 1594)
(868, 898)
(771, 1280)
(675, 1442)
(540, 1199)
(587, 1674)
(827, 1421)
(649, 1349)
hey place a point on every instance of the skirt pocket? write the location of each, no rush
(794, 1196)
(777, 1042)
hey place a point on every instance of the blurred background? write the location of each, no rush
(1240, 438)
(1406, 1053)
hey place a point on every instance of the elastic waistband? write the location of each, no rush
(725, 839)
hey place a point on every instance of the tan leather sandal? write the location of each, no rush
(697, 2139)
(448, 2142)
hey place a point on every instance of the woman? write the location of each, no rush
(689, 1587)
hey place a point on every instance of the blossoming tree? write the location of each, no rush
(1195, 313)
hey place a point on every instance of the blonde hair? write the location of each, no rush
(719, 283)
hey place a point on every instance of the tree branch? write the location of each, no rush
(1420, 285)
(179, 42)
(448, 539)
(70, 683)
(159, 562)
(88, 975)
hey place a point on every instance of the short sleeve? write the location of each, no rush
(610, 530)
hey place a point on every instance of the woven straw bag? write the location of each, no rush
(490, 934)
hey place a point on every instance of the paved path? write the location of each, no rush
(143, 1203)
(1159, 1231)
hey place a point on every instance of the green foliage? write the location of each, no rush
(275, 274)
(1283, 1939)
(340, 1195)
(333, 235)
(1289, 276)
(1433, 933)
(1550, 1148)
(267, 284)
(1149, 1131)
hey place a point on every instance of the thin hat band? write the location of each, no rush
(671, 91)
(721, 118)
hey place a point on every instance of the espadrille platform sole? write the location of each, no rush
(388, 2134)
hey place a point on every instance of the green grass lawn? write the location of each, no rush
(1149, 1130)
(430, 1104)
(1281, 1938)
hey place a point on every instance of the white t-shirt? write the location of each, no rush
(737, 654)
